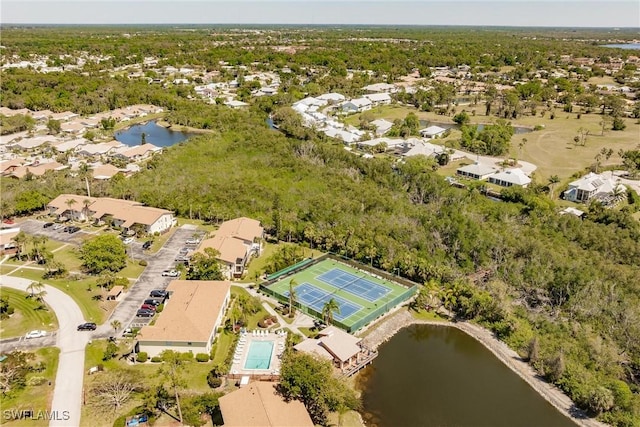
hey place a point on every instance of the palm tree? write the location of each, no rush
(553, 180)
(70, 202)
(115, 324)
(292, 296)
(329, 308)
(21, 240)
(35, 288)
(85, 210)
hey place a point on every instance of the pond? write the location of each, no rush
(439, 376)
(630, 46)
(426, 123)
(154, 134)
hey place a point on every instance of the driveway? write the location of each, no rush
(67, 395)
(149, 280)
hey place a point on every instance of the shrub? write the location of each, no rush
(34, 381)
(156, 359)
(213, 381)
(142, 357)
(274, 319)
(262, 324)
(110, 351)
(159, 308)
(202, 357)
(143, 262)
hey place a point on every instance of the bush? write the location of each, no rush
(143, 262)
(34, 381)
(156, 359)
(213, 381)
(262, 324)
(142, 357)
(110, 351)
(202, 357)
(159, 308)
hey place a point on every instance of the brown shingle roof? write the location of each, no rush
(126, 210)
(242, 228)
(190, 313)
(339, 343)
(230, 249)
(60, 202)
(258, 405)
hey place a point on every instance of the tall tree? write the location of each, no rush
(292, 296)
(329, 308)
(172, 370)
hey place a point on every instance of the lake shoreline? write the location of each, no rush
(385, 330)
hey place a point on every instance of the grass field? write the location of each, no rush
(194, 376)
(27, 316)
(36, 397)
(361, 296)
(551, 149)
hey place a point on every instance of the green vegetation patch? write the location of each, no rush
(29, 314)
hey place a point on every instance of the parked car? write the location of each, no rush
(128, 240)
(170, 273)
(148, 307)
(182, 259)
(158, 293)
(143, 312)
(47, 225)
(73, 229)
(57, 226)
(154, 302)
(147, 244)
(89, 326)
(184, 251)
(193, 241)
(66, 229)
(35, 334)
(128, 332)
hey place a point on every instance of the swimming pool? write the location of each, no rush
(259, 356)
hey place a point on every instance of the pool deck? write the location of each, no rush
(242, 350)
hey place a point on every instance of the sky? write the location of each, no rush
(545, 13)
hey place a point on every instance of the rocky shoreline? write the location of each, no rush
(385, 330)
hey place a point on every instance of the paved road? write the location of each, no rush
(150, 279)
(21, 343)
(67, 395)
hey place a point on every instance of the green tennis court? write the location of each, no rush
(361, 296)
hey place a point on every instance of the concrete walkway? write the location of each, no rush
(67, 395)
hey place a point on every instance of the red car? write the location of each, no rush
(148, 307)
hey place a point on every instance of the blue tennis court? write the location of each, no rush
(316, 298)
(358, 286)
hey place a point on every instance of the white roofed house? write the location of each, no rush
(424, 149)
(137, 153)
(356, 105)
(379, 98)
(477, 171)
(432, 132)
(510, 177)
(593, 186)
(332, 98)
(380, 87)
(90, 150)
(382, 126)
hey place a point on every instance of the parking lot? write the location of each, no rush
(36, 227)
(149, 280)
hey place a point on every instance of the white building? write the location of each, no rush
(356, 105)
(510, 177)
(432, 132)
(590, 186)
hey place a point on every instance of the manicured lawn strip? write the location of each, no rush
(256, 266)
(160, 240)
(308, 332)
(69, 257)
(132, 270)
(35, 397)
(222, 346)
(76, 289)
(194, 376)
(27, 315)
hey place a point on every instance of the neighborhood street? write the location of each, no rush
(67, 395)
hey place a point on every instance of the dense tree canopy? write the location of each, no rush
(103, 253)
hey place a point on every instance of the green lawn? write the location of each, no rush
(69, 257)
(132, 270)
(29, 315)
(222, 347)
(552, 148)
(194, 377)
(77, 289)
(37, 397)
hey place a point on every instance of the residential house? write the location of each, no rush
(332, 98)
(90, 150)
(137, 153)
(30, 143)
(592, 186)
(477, 171)
(101, 171)
(260, 405)
(356, 105)
(127, 214)
(65, 146)
(64, 116)
(380, 87)
(73, 128)
(7, 244)
(236, 241)
(334, 344)
(510, 177)
(38, 169)
(192, 315)
(388, 143)
(424, 149)
(382, 126)
(236, 104)
(432, 132)
(8, 166)
(379, 98)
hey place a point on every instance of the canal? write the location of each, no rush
(439, 376)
